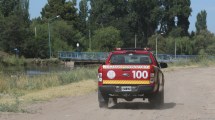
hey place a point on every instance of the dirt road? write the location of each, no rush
(189, 95)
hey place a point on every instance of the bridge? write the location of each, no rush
(83, 57)
(100, 57)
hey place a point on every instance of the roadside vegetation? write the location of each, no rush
(12, 60)
(201, 61)
(18, 89)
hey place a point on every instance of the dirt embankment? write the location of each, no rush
(189, 95)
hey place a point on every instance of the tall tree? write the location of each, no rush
(136, 17)
(201, 23)
(24, 7)
(169, 13)
(202, 41)
(100, 12)
(175, 15)
(106, 39)
(8, 6)
(15, 28)
(146, 18)
(69, 26)
(104, 13)
(66, 9)
(183, 14)
(37, 46)
(53, 8)
(83, 16)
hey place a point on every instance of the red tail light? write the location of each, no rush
(100, 77)
(152, 75)
(100, 80)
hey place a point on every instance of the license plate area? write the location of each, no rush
(126, 88)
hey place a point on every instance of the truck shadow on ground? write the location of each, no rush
(142, 105)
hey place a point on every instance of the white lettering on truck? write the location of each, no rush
(140, 74)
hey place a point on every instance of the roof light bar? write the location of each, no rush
(145, 49)
(117, 49)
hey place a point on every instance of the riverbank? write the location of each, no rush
(21, 61)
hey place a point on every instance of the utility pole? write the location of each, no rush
(50, 50)
(90, 39)
(156, 47)
(156, 44)
(175, 49)
(176, 24)
(35, 30)
(135, 41)
(49, 33)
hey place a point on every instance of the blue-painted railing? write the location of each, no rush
(101, 56)
(83, 56)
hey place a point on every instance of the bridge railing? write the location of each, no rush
(101, 56)
(84, 56)
(180, 58)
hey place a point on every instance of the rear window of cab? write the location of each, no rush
(131, 59)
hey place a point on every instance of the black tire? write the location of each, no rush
(103, 100)
(115, 101)
(157, 100)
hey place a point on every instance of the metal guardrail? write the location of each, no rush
(172, 58)
(83, 56)
(101, 56)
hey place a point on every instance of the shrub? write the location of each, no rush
(13, 60)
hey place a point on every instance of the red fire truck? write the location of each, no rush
(129, 74)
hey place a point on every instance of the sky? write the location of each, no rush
(196, 5)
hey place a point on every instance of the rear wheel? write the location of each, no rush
(157, 99)
(103, 100)
(115, 101)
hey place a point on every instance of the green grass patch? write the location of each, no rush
(12, 60)
(10, 83)
(79, 74)
(52, 61)
(13, 106)
(201, 62)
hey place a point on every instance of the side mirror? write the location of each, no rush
(163, 65)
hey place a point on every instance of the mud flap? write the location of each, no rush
(157, 100)
(103, 100)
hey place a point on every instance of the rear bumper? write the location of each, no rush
(136, 89)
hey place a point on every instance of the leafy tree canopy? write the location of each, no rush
(201, 23)
(106, 39)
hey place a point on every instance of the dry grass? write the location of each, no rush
(173, 68)
(184, 64)
(73, 89)
(18, 90)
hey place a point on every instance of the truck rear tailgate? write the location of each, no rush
(126, 74)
